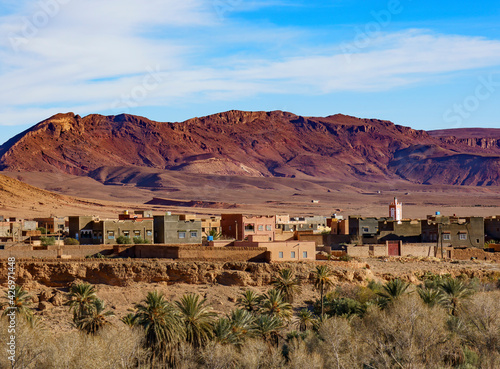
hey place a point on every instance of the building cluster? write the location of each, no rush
(284, 237)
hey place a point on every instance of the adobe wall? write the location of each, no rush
(467, 254)
(317, 238)
(280, 235)
(156, 251)
(424, 250)
(222, 254)
(358, 251)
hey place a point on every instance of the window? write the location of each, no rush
(111, 235)
(269, 228)
(249, 228)
(280, 254)
(149, 232)
(292, 254)
(260, 227)
(462, 236)
(126, 233)
(86, 234)
(366, 230)
(182, 234)
(194, 234)
(304, 254)
(229, 227)
(446, 237)
(137, 233)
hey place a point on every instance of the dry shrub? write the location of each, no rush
(300, 356)
(217, 356)
(185, 357)
(407, 334)
(38, 348)
(338, 346)
(481, 316)
(257, 354)
(116, 347)
(31, 345)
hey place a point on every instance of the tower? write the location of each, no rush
(396, 210)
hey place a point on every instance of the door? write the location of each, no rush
(393, 248)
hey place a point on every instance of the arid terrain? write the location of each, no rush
(250, 162)
(123, 283)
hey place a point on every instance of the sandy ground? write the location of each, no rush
(261, 196)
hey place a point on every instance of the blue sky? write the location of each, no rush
(423, 64)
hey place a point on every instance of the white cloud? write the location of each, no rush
(94, 53)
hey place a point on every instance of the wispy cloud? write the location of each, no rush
(89, 54)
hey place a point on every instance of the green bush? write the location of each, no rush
(95, 256)
(123, 240)
(138, 240)
(71, 241)
(345, 258)
(42, 229)
(47, 241)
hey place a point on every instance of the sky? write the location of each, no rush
(419, 63)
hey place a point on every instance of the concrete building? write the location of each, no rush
(338, 225)
(364, 230)
(53, 224)
(297, 224)
(239, 226)
(454, 231)
(492, 227)
(281, 250)
(92, 230)
(208, 223)
(176, 229)
(406, 230)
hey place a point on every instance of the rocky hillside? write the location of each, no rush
(257, 144)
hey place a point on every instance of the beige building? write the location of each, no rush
(282, 250)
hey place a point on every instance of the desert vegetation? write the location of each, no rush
(443, 322)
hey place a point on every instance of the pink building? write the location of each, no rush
(239, 226)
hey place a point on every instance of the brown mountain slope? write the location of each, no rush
(15, 194)
(278, 144)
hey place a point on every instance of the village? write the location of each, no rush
(258, 238)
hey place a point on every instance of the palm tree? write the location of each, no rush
(322, 282)
(130, 319)
(161, 323)
(305, 320)
(94, 319)
(430, 296)
(242, 325)
(18, 300)
(223, 332)
(287, 284)
(392, 291)
(213, 232)
(80, 298)
(198, 319)
(249, 301)
(454, 291)
(268, 327)
(273, 304)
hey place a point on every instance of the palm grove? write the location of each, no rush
(442, 323)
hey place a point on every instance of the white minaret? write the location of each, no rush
(396, 210)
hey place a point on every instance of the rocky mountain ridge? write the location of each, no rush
(256, 144)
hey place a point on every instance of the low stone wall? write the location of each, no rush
(418, 249)
(254, 254)
(467, 254)
(358, 251)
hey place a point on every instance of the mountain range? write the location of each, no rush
(254, 144)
